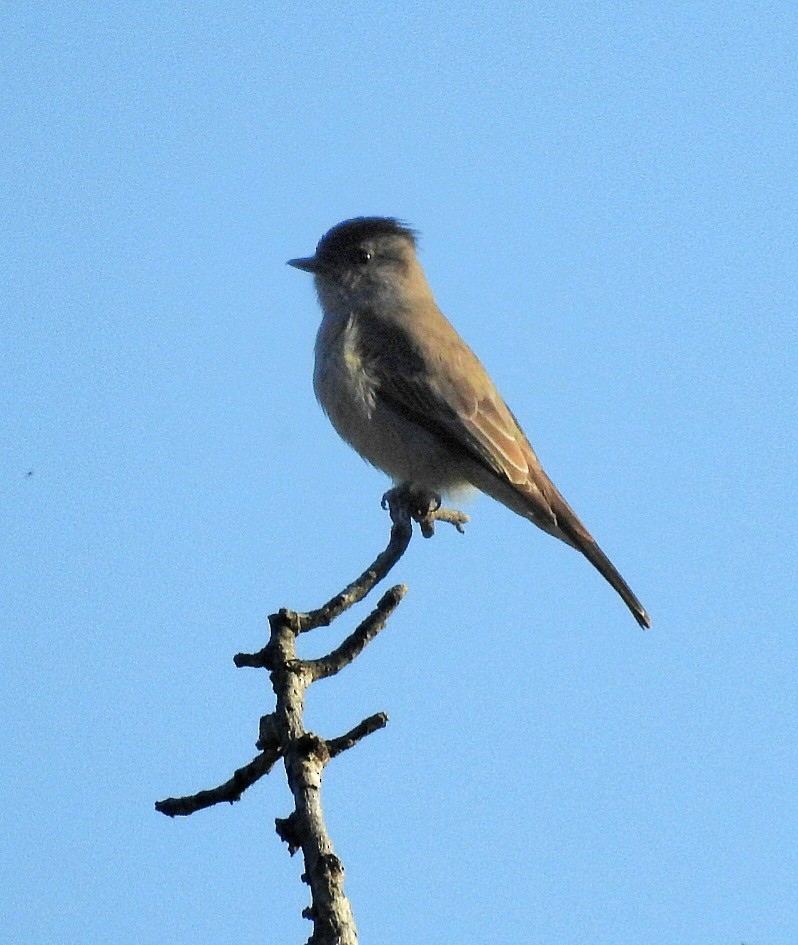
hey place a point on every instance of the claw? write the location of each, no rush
(423, 507)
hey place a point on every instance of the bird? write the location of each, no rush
(401, 386)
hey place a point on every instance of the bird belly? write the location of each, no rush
(408, 453)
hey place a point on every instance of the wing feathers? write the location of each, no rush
(434, 379)
(461, 406)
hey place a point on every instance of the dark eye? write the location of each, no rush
(362, 256)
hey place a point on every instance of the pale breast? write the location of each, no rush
(341, 382)
(347, 391)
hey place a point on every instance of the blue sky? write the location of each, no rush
(608, 205)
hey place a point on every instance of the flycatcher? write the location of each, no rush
(403, 388)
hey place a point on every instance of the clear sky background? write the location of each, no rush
(607, 196)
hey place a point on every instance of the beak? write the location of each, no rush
(308, 264)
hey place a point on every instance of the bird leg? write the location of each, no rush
(422, 506)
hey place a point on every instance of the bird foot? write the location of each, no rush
(422, 506)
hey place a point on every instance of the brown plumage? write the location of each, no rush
(402, 387)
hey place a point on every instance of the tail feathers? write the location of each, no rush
(607, 569)
(577, 535)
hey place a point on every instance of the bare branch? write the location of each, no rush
(405, 507)
(367, 727)
(230, 791)
(450, 516)
(259, 660)
(353, 593)
(357, 641)
(305, 755)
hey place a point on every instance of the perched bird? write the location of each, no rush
(403, 388)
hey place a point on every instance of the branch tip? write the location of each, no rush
(368, 726)
(229, 792)
(359, 639)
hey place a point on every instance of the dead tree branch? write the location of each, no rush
(282, 733)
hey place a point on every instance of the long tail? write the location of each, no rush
(577, 535)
